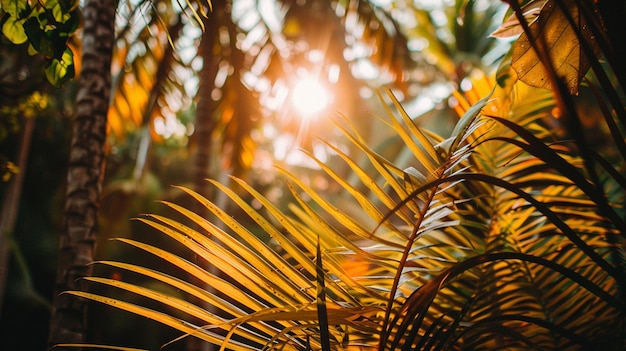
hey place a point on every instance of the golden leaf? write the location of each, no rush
(562, 44)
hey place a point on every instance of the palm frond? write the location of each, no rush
(502, 235)
(468, 244)
(148, 51)
(272, 299)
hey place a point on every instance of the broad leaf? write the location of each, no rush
(60, 9)
(15, 8)
(61, 70)
(553, 28)
(13, 29)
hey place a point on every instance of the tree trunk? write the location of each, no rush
(205, 109)
(68, 323)
(205, 124)
(11, 201)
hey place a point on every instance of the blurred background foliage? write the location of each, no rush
(255, 54)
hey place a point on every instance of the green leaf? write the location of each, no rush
(49, 40)
(13, 29)
(68, 27)
(460, 131)
(55, 42)
(58, 10)
(60, 71)
(15, 8)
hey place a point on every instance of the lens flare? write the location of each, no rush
(309, 97)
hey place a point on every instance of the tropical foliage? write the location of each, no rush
(506, 234)
(153, 71)
(47, 28)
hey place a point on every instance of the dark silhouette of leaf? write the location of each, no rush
(322, 313)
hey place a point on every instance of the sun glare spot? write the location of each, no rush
(309, 97)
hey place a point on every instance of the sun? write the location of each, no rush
(309, 97)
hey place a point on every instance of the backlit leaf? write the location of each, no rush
(511, 26)
(60, 71)
(13, 29)
(57, 9)
(13, 7)
(160, 317)
(562, 44)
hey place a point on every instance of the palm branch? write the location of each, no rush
(503, 235)
(148, 68)
(483, 253)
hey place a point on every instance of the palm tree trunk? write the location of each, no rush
(68, 323)
(205, 125)
(205, 109)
